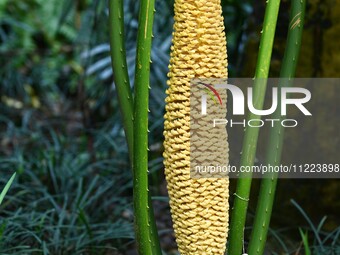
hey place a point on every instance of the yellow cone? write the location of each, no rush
(199, 207)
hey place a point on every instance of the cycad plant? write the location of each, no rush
(199, 206)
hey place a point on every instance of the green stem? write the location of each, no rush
(275, 143)
(119, 66)
(239, 212)
(146, 230)
(146, 233)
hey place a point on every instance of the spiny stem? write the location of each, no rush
(134, 118)
(275, 143)
(119, 66)
(146, 235)
(239, 211)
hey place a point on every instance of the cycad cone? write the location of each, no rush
(199, 207)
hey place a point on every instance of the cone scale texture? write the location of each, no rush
(199, 206)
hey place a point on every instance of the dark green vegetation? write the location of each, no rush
(61, 131)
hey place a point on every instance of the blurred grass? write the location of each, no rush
(62, 201)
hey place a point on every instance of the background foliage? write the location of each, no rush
(60, 127)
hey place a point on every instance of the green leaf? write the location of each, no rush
(304, 237)
(8, 185)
